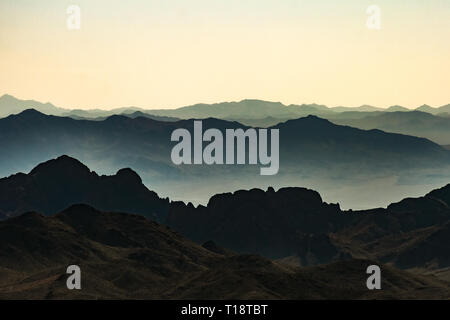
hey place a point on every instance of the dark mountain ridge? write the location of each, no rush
(268, 223)
(287, 222)
(416, 123)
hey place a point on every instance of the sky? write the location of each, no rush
(173, 53)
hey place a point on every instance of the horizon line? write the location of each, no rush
(216, 103)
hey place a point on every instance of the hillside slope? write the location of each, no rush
(126, 256)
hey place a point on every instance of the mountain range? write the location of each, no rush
(277, 224)
(245, 109)
(414, 232)
(424, 121)
(416, 123)
(322, 251)
(314, 152)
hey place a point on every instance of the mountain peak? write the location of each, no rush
(62, 163)
(395, 108)
(311, 117)
(77, 211)
(30, 113)
(29, 218)
(129, 175)
(7, 96)
(425, 107)
(258, 101)
(308, 120)
(60, 183)
(117, 118)
(443, 194)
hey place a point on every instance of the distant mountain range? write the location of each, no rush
(128, 256)
(11, 105)
(313, 152)
(258, 109)
(258, 113)
(417, 123)
(245, 109)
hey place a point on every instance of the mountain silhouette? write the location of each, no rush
(322, 141)
(416, 123)
(269, 223)
(313, 152)
(290, 222)
(397, 108)
(56, 184)
(296, 222)
(427, 108)
(11, 105)
(244, 110)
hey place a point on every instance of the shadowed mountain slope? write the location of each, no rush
(296, 222)
(269, 223)
(420, 124)
(126, 256)
(319, 138)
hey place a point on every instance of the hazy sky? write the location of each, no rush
(167, 53)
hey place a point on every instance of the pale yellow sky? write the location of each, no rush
(172, 53)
